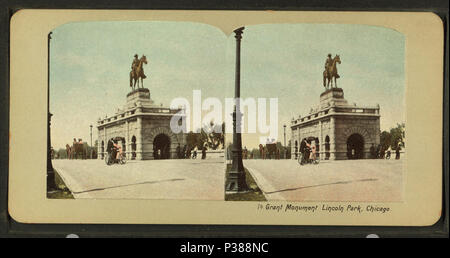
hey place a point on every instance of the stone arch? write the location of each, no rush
(173, 139)
(357, 130)
(367, 135)
(161, 146)
(355, 146)
(163, 130)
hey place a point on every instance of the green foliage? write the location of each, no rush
(398, 136)
(255, 153)
(385, 140)
(394, 138)
(193, 140)
(254, 193)
(61, 154)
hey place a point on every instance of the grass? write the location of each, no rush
(255, 194)
(63, 192)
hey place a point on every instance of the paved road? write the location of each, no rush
(349, 180)
(152, 179)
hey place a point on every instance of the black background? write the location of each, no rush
(11, 228)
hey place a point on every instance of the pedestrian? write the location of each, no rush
(188, 153)
(183, 154)
(397, 152)
(204, 152)
(306, 151)
(379, 151)
(313, 152)
(388, 153)
(178, 151)
(194, 155)
(382, 154)
(372, 152)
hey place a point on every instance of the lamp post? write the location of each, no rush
(91, 141)
(235, 181)
(51, 185)
(285, 149)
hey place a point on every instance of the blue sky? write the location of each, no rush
(90, 64)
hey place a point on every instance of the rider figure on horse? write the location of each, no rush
(331, 71)
(137, 70)
(328, 62)
(135, 63)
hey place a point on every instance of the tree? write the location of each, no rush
(255, 153)
(385, 140)
(394, 138)
(398, 136)
(62, 154)
(192, 140)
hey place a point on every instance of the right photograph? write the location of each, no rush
(319, 114)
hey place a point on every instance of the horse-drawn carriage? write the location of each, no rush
(270, 151)
(77, 150)
(307, 152)
(114, 153)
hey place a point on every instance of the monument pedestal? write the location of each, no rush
(140, 96)
(332, 97)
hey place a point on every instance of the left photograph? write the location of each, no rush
(121, 95)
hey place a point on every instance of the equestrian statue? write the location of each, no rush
(331, 71)
(137, 71)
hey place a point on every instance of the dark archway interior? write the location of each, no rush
(302, 145)
(296, 149)
(327, 147)
(133, 147)
(161, 147)
(355, 146)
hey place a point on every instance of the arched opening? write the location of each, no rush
(133, 147)
(327, 147)
(161, 147)
(355, 146)
(296, 149)
(302, 145)
(103, 150)
(317, 146)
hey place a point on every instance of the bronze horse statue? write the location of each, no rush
(137, 73)
(330, 73)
